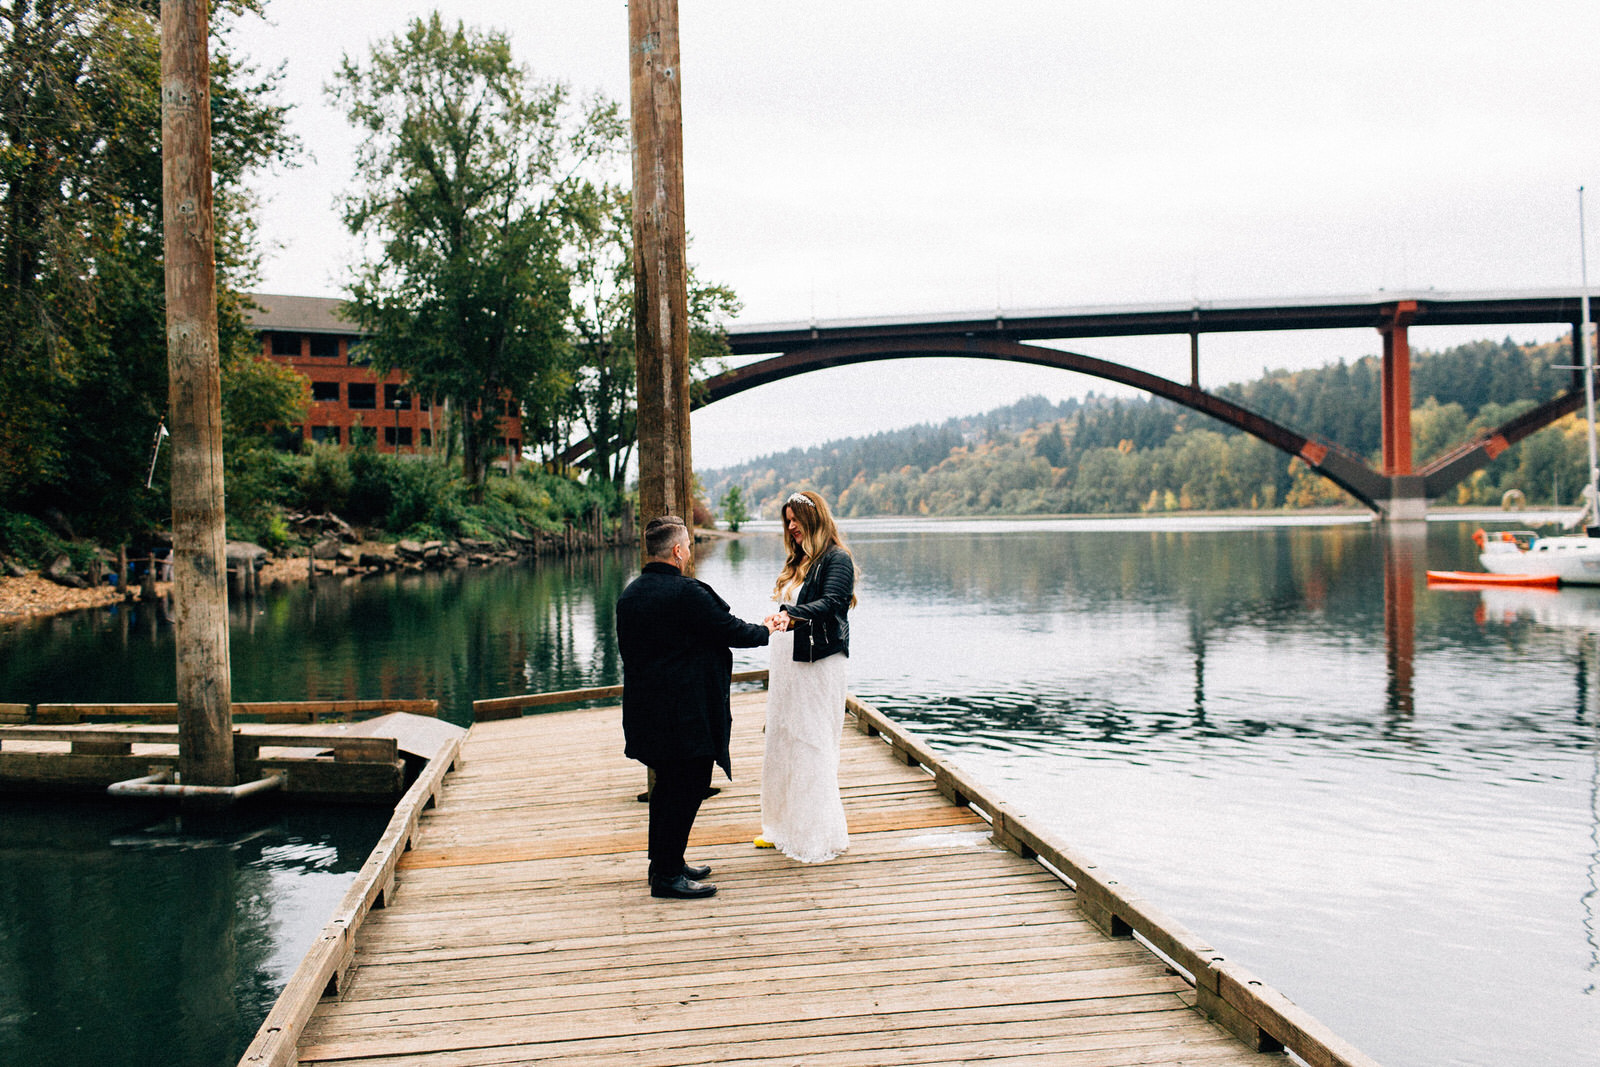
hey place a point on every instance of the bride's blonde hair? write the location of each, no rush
(818, 533)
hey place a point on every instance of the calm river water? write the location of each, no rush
(1383, 799)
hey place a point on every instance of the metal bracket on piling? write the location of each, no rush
(163, 784)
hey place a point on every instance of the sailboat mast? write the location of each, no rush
(1586, 360)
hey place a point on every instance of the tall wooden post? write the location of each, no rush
(199, 574)
(660, 269)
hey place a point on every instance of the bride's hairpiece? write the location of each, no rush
(800, 498)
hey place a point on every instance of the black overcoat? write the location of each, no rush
(675, 633)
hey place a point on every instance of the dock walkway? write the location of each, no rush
(520, 930)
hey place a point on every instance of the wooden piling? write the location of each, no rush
(660, 270)
(199, 578)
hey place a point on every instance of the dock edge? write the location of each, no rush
(1231, 996)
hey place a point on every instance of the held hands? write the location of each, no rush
(776, 621)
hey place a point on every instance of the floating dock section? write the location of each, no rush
(518, 928)
(296, 748)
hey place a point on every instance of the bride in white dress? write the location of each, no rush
(801, 813)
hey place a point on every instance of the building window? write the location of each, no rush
(286, 344)
(325, 391)
(427, 438)
(362, 435)
(324, 346)
(359, 356)
(516, 446)
(396, 398)
(423, 403)
(390, 437)
(325, 435)
(362, 395)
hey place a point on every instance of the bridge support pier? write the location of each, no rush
(1408, 501)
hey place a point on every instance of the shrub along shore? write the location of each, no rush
(324, 513)
(26, 593)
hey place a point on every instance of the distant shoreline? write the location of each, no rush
(33, 596)
(1533, 515)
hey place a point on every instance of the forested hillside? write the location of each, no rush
(1104, 455)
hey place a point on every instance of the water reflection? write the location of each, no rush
(461, 636)
(1197, 643)
(1402, 546)
(1120, 631)
(1066, 631)
(455, 636)
(1591, 898)
(130, 936)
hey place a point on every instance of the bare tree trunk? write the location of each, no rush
(200, 591)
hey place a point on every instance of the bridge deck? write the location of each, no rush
(521, 930)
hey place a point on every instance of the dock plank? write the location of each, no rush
(520, 929)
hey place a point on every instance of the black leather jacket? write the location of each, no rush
(821, 622)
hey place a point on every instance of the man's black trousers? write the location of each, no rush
(680, 787)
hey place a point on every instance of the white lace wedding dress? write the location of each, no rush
(801, 813)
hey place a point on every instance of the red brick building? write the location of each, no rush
(346, 397)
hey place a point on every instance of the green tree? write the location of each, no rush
(733, 509)
(1051, 446)
(83, 376)
(473, 179)
(604, 395)
(1436, 428)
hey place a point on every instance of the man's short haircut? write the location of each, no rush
(661, 534)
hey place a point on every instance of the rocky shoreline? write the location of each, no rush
(32, 594)
(340, 554)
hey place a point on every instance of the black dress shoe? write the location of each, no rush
(680, 888)
(699, 874)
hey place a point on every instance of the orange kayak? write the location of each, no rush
(1483, 578)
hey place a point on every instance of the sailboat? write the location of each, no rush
(1570, 559)
(1573, 559)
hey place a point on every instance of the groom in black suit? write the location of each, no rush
(675, 634)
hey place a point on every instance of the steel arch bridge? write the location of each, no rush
(1397, 490)
(1339, 465)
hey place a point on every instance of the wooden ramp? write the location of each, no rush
(520, 930)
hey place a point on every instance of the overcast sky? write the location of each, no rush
(860, 158)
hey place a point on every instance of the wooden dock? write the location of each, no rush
(304, 746)
(519, 929)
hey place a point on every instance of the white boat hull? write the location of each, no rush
(1574, 560)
